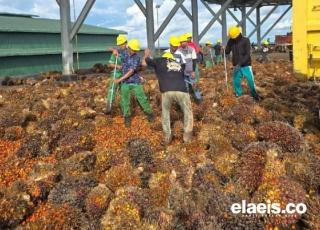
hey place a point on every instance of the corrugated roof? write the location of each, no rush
(27, 23)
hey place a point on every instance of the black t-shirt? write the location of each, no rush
(217, 49)
(169, 74)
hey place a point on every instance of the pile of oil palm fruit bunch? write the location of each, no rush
(64, 164)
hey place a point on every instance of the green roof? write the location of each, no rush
(27, 23)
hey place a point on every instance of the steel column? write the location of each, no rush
(210, 10)
(244, 21)
(222, 9)
(185, 11)
(150, 25)
(224, 27)
(141, 7)
(168, 19)
(276, 22)
(255, 5)
(195, 23)
(263, 20)
(234, 17)
(82, 16)
(67, 48)
(258, 26)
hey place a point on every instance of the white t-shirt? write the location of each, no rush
(178, 56)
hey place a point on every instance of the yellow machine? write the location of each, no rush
(306, 37)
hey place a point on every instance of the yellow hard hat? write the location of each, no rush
(121, 39)
(188, 35)
(134, 44)
(174, 41)
(183, 38)
(234, 32)
(168, 55)
(219, 41)
(208, 43)
(265, 42)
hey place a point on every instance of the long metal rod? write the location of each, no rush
(276, 22)
(263, 20)
(210, 10)
(84, 12)
(168, 19)
(255, 5)
(251, 21)
(150, 25)
(185, 11)
(141, 6)
(195, 23)
(222, 9)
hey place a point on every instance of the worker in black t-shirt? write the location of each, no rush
(170, 74)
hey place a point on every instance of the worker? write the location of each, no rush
(170, 74)
(116, 72)
(197, 49)
(190, 57)
(264, 52)
(218, 52)
(130, 81)
(241, 60)
(208, 55)
(174, 43)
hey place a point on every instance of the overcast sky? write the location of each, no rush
(125, 15)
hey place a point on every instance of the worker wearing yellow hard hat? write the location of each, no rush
(170, 75)
(241, 60)
(264, 52)
(115, 63)
(208, 55)
(218, 49)
(174, 42)
(190, 56)
(131, 82)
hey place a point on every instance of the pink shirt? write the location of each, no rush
(194, 46)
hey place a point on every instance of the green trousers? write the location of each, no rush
(197, 73)
(112, 89)
(218, 59)
(238, 75)
(208, 63)
(126, 98)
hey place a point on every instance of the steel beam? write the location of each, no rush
(195, 23)
(82, 16)
(150, 25)
(168, 18)
(224, 27)
(222, 9)
(244, 21)
(141, 6)
(232, 15)
(263, 20)
(255, 5)
(210, 10)
(251, 21)
(185, 11)
(67, 48)
(258, 26)
(276, 22)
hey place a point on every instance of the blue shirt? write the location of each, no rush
(130, 63)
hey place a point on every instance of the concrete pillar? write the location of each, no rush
(150, 25)
(195, 23)
(67, 48)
